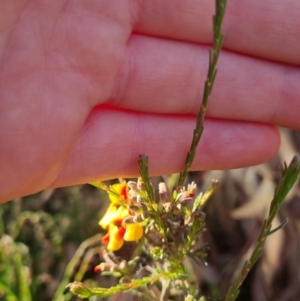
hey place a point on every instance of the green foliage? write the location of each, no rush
(173, 228)
(14, 279)
(84, 292)
(290, 175)
(36, 237)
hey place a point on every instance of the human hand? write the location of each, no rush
(87, 86)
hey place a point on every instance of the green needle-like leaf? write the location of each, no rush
(290, 176)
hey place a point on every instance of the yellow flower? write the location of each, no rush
(116, 235)
(120, 192)
(113, 220)
(133, 232)
(113, 214)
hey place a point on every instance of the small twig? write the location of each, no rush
(143, 164)
(211, 75)
(281, 226)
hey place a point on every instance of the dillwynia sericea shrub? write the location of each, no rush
(160, 229)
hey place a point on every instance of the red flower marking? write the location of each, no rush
(105, 239)
(120, 233)
(97, 269)
(123, 192)
(118, 222)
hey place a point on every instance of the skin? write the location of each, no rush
(87, 86)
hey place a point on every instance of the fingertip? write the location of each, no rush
(233, 144)
(113, 140)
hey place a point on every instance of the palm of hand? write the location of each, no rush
(70, 68)
(57, 65)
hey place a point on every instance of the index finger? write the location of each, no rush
(261, 28)
(167, 76)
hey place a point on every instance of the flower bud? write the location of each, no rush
(135, 208)
(79, 289)
(139, 199)
(128, 220)
(192, 188)
(125, 279)
(137, 219)
(133, 185)
(123, 265)
(141, 184)
(145, 215)
(168, 206)
(164, 194)
(185, 201)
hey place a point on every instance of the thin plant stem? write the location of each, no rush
(211, 75)
(59, 295)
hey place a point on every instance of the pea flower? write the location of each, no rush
(113, 214)
(114, 220)
(115, 237)
(133, 232)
